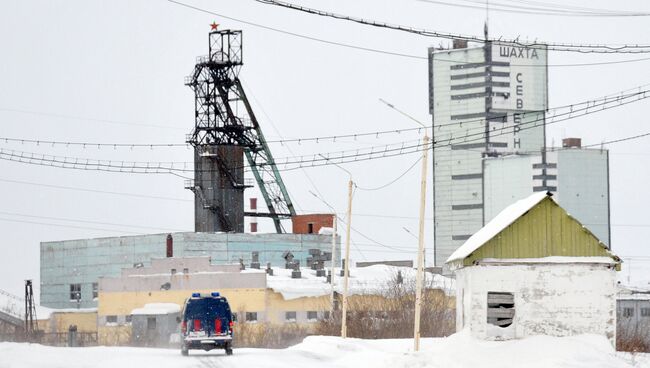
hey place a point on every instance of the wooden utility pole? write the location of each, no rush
(344, 317)
(420, 270)
(332, 299)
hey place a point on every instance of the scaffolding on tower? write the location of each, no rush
(225, 131)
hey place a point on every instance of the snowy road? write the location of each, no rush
(456, 351)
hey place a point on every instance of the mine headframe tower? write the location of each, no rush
(226, 130)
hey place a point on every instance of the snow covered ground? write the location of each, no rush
(459, 350)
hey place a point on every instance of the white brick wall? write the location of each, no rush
(550, 299)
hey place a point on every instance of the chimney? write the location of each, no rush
(459, 44)
(571, 143)
(170, 246)
(253, 205)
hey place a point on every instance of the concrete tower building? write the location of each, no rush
(486, 101)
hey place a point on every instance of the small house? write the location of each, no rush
(156, 324)
(535, 270)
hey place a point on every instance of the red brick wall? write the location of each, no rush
(301, 222)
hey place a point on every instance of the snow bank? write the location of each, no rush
(364, 280)
(456, 351)
(157, 308)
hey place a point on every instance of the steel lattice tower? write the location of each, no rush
(225, 131)
(31, 322)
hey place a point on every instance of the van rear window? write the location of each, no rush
(207, 308)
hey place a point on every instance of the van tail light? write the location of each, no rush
(217, 325)
(197, 325)
(230, 326)
(184, 327)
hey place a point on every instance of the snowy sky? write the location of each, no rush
(112, 71)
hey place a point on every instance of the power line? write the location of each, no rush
(539, 11)
(560, 6)
(373, 50)
(392, 181)
(477, 134)
(327, 138)
(93, 144)
(133, 195)
(69, 226)
(369, 49)
(108, 121)
(159, 168)
(618, 140)
(86, 221)
(568, 47)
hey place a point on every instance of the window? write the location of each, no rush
(290, 316)
(500, 308)
(128, 318)
(95, 290)
(75, 292)
(173, 271)
(151, 323)
(251, 316)
(111, 319)
(312, 315)
(186, 270)
(310, 228)
(645, 312)
(628, 312)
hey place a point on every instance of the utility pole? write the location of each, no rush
(344, 318)
(423, 191)
(332, 299)
(420, 270)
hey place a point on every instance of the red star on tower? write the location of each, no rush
(214, 26)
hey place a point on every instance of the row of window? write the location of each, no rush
(629, 312)
(251, 317)
(75, 291)
(290, 316)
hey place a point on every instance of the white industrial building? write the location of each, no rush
(535, 270)
(485, 101)
(488, 106)
(577, 177)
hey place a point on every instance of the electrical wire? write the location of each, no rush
(374, 50)
(72, 117)
(132, 195)
(319, 139)
(158, 168)
(165, 229)
(69, 226)
(392, 181)
(369, 49)
(567, 47)
(537, 11)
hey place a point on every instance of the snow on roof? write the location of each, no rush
(15, 306)
(496, 225)
(157, 308)
(365, 280)
(633, 296)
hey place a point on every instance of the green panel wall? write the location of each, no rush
(544, 231)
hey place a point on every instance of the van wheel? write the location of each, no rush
(184, 351)
(228, 349)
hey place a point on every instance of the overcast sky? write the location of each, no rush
(112, 71)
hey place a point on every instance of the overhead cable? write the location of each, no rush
(374, 50)
(557, 46)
